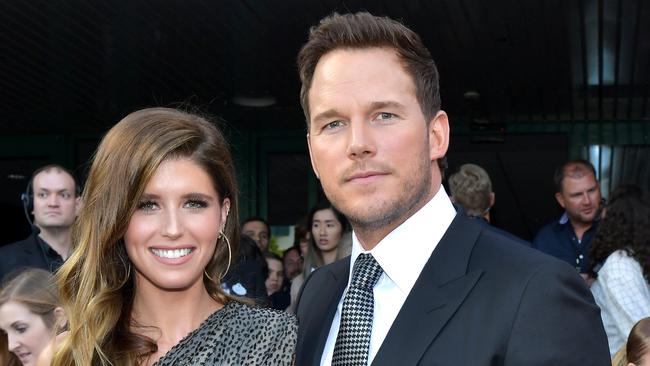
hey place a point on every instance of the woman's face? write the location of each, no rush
(326, 230)
(27, 334)
(275, 277)
(172, 235)
(645, 359)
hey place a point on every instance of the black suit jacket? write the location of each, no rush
(26, 253)
(481, 299)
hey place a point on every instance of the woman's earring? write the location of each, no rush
(225, 238)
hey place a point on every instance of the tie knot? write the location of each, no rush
(366, 272)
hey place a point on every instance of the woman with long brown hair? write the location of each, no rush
(156, 233)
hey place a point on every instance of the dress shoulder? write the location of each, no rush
(238, 334)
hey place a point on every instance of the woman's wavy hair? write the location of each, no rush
(626, 226)
(34, 288)
(314, 257)
(96, 282)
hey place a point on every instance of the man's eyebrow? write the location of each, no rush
(386, 104)
(330, 113)
(333, 113)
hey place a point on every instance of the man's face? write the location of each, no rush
(369, 142)
(257, 231)
(55, 204)
(580, 197)
(292, 264)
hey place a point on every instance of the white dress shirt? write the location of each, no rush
(402, 255)
(623, 295)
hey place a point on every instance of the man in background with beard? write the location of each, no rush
(570, 237)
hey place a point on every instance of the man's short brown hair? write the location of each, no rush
(576, 168)
(363, 30)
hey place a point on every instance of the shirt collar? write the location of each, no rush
(46, 248)
(403, 253)
(564, 219)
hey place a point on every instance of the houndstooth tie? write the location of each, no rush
(353, 340)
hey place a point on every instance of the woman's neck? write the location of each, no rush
(329, 257)
(172, 315)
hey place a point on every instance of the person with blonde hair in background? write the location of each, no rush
(30, 315)
(636, 352)
(157, 232)
(471, 188)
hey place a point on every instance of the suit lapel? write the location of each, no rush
(438, 292)
(322, 304)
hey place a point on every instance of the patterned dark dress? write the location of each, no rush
(237, 335)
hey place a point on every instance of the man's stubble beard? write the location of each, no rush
(394, 210)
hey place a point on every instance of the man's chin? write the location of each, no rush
(51, 225)
(586, 220)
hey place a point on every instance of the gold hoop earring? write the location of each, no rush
(208, 276)
(225, 238)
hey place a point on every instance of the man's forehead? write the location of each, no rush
(53, 178)
(579, 182)
(342, 71)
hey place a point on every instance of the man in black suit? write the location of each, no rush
(52, 198)
(427, 286)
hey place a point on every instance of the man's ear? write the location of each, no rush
(438, 130)
(311, 158)
(492, 199)
(560, 199)
(77, 205)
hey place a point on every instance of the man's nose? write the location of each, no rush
(52, 200)
(360, 143)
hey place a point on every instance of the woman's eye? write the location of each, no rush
(147, 205)
(196, 204)
(21, 329)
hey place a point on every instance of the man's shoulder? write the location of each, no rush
(508, 251)
(550, 226)
(18, 246)
(324, 280)
(18, 255)
(340, 268)
(547, 234)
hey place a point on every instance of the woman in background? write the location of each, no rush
(329, 241)
(621, 263)
(29, 315)
(154, 237)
